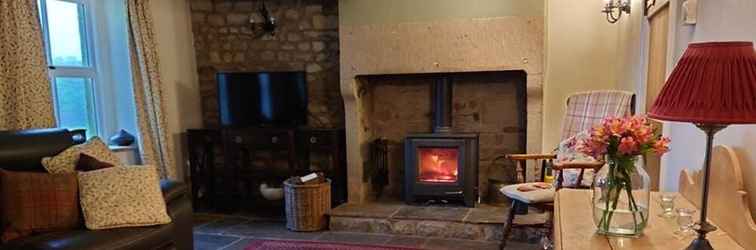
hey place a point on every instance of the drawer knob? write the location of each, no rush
(274, 139)
(313, 139)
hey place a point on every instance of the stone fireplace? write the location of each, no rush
(387, 93)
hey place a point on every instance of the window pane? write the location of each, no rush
(64, 22)
(73, 96)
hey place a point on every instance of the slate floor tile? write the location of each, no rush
(219, 226)
(212, 242)
(406, 241)
(268, 230)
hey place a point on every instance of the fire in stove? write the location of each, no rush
(438, 165)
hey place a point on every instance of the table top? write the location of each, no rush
(574, 227)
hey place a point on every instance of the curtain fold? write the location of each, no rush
(155, 146)
(25, 92)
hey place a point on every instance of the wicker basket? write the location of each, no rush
(307, 205)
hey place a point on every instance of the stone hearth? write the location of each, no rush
(393, 217)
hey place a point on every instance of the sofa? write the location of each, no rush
(23, 151)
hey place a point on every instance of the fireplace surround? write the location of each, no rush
(509, 43)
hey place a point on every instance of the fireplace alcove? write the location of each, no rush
(484, 118)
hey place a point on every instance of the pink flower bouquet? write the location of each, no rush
(626, 137)
(620, 142)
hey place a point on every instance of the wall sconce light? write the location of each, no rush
(614, 9)
(267, 23)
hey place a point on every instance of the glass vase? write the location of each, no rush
(621, 197)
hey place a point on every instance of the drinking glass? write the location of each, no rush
(685, 221)
(667, 203)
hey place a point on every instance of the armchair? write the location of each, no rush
(584, 110)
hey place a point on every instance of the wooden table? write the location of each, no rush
(574, 227)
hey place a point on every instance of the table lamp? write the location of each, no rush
(712, 86)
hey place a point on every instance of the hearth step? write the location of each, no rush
(484, 223)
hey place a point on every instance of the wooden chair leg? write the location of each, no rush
(549, 229)
(508, 226)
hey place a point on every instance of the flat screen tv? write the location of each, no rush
(262, 99)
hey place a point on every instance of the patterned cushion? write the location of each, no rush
(65, 162)
(37, 203)
(100, 151)
(127, 196)
(62, 163)
(567, 152)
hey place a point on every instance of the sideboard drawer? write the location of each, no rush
(261, 139)
(319, 139)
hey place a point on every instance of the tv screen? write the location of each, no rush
(262, 99)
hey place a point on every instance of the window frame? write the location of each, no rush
(89, 71)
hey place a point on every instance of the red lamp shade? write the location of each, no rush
(713, 83)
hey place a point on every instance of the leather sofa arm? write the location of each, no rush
(179, 204)
(173, 190)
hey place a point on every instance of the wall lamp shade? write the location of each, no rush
(713, 83)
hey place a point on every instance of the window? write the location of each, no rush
(66, 28)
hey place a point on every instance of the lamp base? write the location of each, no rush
(700, 244)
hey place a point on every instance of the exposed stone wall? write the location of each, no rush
(306, 39)
(483, 102)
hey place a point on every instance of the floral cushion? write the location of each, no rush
(567, 152)
(125, 196)
(66, 161)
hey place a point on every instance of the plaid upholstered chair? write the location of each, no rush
(573, 169)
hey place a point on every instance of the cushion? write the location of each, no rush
(536, 195)
(567, 152)
(66, 161)
(37, 203)
(89, 163)
(124, 196)
(62, 163)
(96, 148)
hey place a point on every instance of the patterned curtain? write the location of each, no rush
(25, 93)
(155, 145)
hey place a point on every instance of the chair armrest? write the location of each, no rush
(173, 190)
(521, 160)
(179, 205)
(577, 165)
(522, 157)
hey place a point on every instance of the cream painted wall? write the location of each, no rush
(581, 55)
(718, 20)
(178, 72)
(630, 50)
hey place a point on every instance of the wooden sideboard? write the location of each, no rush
(227, 165)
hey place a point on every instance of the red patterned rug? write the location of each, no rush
(314, 245)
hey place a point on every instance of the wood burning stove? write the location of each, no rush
(441, 166)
